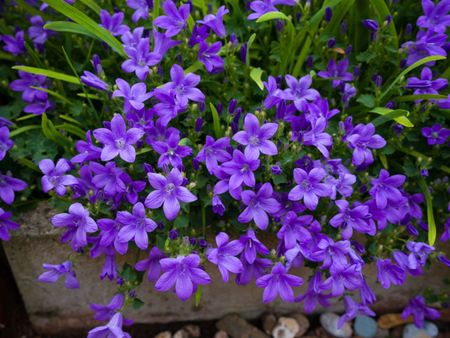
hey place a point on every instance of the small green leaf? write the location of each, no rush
(68, 27)
(198, 295)
(74, 130)
(249, 45)
(366, 100)
(181, 221)
(137, 303)
(128, 273)
(430, 216)
(49, 73)
(23, 129)
(255, 75)
(216, 120)
(410, 68)
(272, 16)
(50, 132)
(398, 115)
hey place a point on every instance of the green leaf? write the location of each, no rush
(430, 216)
(272, 16)
(68, 27)
(409, 69)
(137, 304)
(406, 98)
(202, 5)
(249, 45)
(23, 129)
(89, 96)
(255, 75)
(50, 132)
(382, 11)
(72, 129)
(128, 273)
(92, 5)
(181, 221)
(398, 115)
(366, 100)
(49, 73)
(216, 120)
(198, 295)
(86, 22)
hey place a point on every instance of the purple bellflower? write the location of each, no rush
(278, 282)
(134, 96)
(436, 16)
(418, 308)
(55, 176)
(14, 45)
(151, 264)
(184, 273)
(106, 312)
(384, 188)
(8, 186)
(118, 140)
(361, 139)
(37, 32)
(78, 224)
(214, 152)
(111, 330)
(141, 8)
(93, 81)
(171, 152)
(113, 23)
(208, 55)
(314, 296)
(241, 169)
(256, 138)
(5, 142)
(168, 192)
(54, 272)
(353, 309)
(308, 187)
(261, 7)
(389, 273)
(337, 72)
(349, 219)
(425, 84)
(6, 225)
(436, 134)
(215, 22)
(136, 226)
(175, 19)
(224, 256)
(317, 136)
(252, 246)
(299, 91)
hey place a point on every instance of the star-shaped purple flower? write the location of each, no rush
(299, 91)
(436, 134)
(215, 22)
(214, 152)
(309, 188)
(134, 96)
(113, 23)
(357, 218)
(241, 169)
(385, 188)
(55, 176)
(8, 185)
(151, 264)
(6, 225)
(56, 271)
(171, 152)
(175, 19)
(224, 256)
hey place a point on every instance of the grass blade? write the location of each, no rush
(430, 215)
(49, 73)
(68, 27)
(216, 120)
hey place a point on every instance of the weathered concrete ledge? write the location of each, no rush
(52, 308)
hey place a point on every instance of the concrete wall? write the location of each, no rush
(53, 308)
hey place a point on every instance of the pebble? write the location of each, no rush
(181, 334)
(221, 334)
(365, 327)
(269, 320)
(192, 330)
(303, 323)
(430, 330)
(329, 322)
(382, 333)
(285, 328)
(391, 320)
(164, 334)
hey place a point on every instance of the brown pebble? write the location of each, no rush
(303, 323)
(181, 334)
(192, 330)
(269, 320)
(164, 334)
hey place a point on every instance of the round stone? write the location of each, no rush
(329, 322)
(365, 327)
(412, 331)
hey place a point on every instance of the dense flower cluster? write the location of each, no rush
(312, 174)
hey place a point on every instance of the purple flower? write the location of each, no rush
(293, 229)
(134, 97)
(427, 44)
(299, 91)
(208, 56)
(151, 264)
(118, 140)
(317, 137)
(78, 224)
(215, 22)
(343, 277)
(183, 86)
(37, 33)
(93, 81)
(54, 272)
(308, 187)
(436, 16)
(384, 189)
(389, 273)
(168, 192)
(352, 309)
(25, 84)
(113, 23)
(8, 185)
(105, 312)
(278, 282)
(108, 178)
(184, 273)
(214, 152)
(171, 152)
(224, 255)
(199, 33)
(14, 45)
(256, 138)
(141, 9)
(337, 72)
(419, 251)
(135, 226)
(241, 169)
(5, 142)
(436, 134)
(314, 295)
(54, 176)
(370, 24)
(252, 246)
(111, 330)
(361, 139)
(426, 84)
(261, 7)
(6, 225)
(418, 308)
(175, 19)
(357, 218)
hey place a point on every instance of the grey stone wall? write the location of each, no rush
(52, 308)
